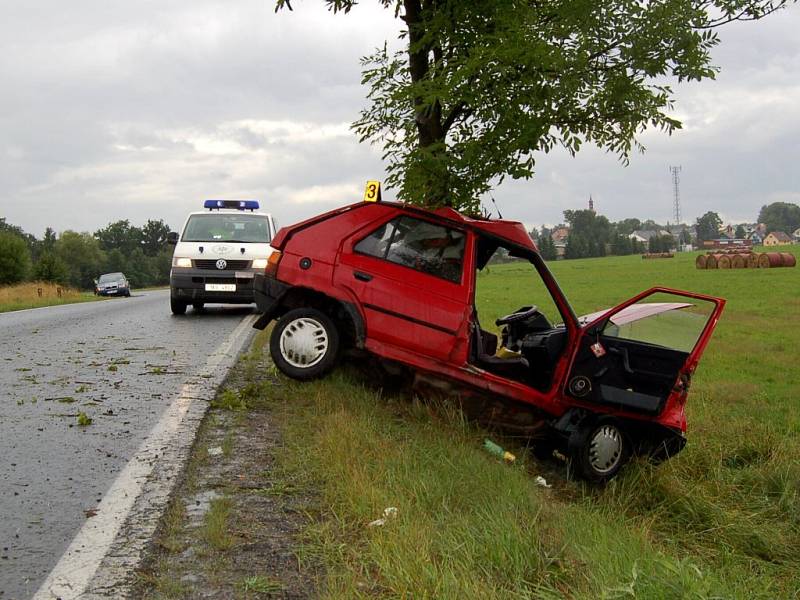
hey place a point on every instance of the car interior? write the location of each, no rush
(630, 374)
(528, 347)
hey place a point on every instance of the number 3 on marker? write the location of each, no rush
(372, 193)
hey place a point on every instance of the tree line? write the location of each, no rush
(76, 259)
(592, 235)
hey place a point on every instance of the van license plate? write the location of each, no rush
(220, 287)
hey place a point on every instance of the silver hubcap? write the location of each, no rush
(605, 449)
(304, 342)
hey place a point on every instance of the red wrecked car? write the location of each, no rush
(399, 281)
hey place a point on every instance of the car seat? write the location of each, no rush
(484, 346)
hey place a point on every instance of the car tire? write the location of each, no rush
(598, 449)
(177, 307)
(304, 344)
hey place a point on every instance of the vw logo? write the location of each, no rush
(222, 263)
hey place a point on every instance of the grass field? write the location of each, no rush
(26, 295)
(720, 520)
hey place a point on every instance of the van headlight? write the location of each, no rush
(260, 263)
(185, 263)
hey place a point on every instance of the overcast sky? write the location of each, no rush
(142, 109)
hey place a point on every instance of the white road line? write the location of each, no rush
(73, 574)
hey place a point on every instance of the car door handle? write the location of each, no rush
(623, 354)
(362, 276)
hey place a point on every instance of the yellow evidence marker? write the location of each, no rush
(372, 193)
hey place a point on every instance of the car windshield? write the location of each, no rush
(662, 321)
(109, 277)
(226, 227)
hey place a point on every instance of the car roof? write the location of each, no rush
(228, 211)
(512, 232)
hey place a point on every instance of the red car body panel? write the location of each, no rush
(426, 322)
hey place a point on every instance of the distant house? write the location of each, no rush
(644, 235)
(777, 238)
(796, 236)
(756, 238)
(727, 232)
(559, 235)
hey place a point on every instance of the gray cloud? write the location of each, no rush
(120, 110)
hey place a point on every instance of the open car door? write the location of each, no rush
(635, 356)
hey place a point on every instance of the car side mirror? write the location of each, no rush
(172, 238)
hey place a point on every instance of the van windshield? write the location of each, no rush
(227, 227)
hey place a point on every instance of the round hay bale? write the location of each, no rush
(770, 260)
(739, 261)
(700, 261)
(724, 261)
(711, 261)
(788, 259)
(752, 260)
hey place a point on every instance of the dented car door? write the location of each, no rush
(639, 356)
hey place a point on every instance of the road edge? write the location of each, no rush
(101, 560)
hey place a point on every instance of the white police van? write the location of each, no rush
(217, 253)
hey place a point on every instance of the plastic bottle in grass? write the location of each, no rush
(497, 451)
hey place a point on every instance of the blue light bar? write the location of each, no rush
(239, 204)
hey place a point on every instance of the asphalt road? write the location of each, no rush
(120, 362)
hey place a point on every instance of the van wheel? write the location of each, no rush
(598, 449)
(178, 307)
(304, 344)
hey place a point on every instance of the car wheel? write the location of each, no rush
(198, 305)
(598, 449)
(304, 344)
(178, 307)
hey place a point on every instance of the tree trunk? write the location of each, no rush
(428, 117)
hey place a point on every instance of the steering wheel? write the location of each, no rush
(523, 313)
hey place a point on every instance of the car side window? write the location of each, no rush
(418, 244)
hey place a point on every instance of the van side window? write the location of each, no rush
(418, 244)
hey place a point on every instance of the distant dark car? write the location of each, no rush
(113, 284)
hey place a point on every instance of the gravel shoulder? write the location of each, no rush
(233, 527)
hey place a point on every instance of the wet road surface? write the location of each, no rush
(120, 362)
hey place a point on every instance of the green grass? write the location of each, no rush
(722, 519)
(216, 525)
(229, 399)
(25, 295)
(259, 584)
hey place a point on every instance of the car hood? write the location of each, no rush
(227, 250)
(634, 312)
